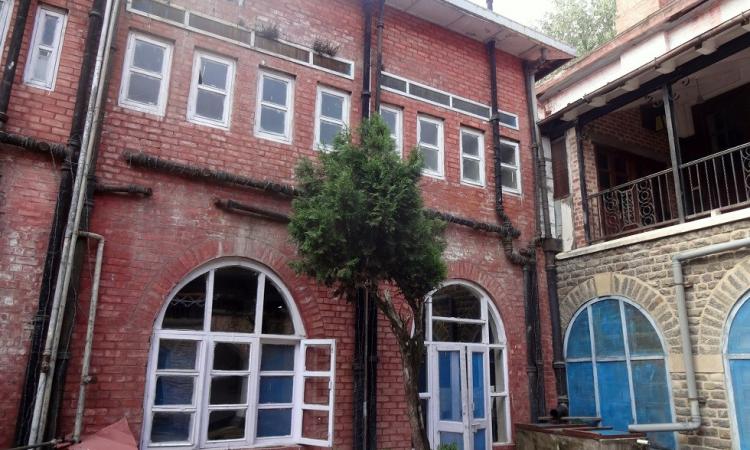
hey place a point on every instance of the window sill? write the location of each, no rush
(272, 138)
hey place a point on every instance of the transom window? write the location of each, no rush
(510, 168)
(331, 117)
(472, 157)
(273, 119)
(46, 42)
(430, 142)
(616, 366)
(229, 366)
(391, 115)
(210, 100)
(145, 76)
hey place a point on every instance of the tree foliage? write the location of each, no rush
(584, 24)
(359, 223)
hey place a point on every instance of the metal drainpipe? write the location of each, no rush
(687, 347)
(379, 53)
(11, 63)
(366, 67)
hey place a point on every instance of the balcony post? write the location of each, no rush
(674, 149)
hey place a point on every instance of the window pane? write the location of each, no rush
(231, 356)
(48, 34)
(614, 393)
(316, 390)
(478, 386)
(739, 334)
(431, 158)
(213, 73)
(170, 427)
(276, 317)
(274, 422)
(497, 371)
(652, 398)
(607, 328)
(456, 301)
(579, 339)
(176, 354)
(328, 132)
(185, 311)
(428, 133)
(390, 119)
(174, 390)
(148, 56)
(41, 66)
(210, 105)
(275, 389)
(642, 337)
(229, 390)
(144, 89)
(332, 106)
(499, 424)
(470, 144)
(315, 424)
(581, 389)
(277, 357)
(471, 170)
(274, 91)
(447, 438)
(508, 154)
(318, 358)
(235, 292)
(226, 425)
(449, 378)
(456, 332)
(272, 120)
(480, 439)
(509, 177)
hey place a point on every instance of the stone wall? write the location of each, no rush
(642, 273)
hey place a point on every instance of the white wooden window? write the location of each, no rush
(331, 116)
(145, 75)
(6, 10)
(510, 168)
(211, 91)
(44, 53)
(472, 157)
(230, 367)
(430, 142)
(392, 116)
(275, 108)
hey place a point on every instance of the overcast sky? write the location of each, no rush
(526, 12)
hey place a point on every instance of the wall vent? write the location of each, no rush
(233, 32)
(471, 108)
(335, 65)
(429, 94)
(393, 83)
(281, 48)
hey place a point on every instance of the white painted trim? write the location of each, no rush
(516, 167)
(479, 157)
(439, 148)
(227, 92)
(6, 11)
(398, 134)
(56, 48)
(343, 121)
(161, 105)
(288, 108)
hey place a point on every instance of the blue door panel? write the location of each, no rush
(614, 394)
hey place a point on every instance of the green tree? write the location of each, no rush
(359, 223)
(584, 24)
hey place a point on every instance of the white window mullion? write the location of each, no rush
(322, 140)
(146, 97)
(279, 132)
(41, 72)
(195, 112)
(438, 171)
(468, 158)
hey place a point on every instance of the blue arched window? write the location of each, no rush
(617, 368)
(738, 360)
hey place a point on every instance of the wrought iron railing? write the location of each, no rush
(718, 181)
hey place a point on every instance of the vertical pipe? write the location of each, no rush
(372, 373)
(366, 65)
(379, 55)
(535, 375)
(582, 182)
(495, 124)
(359, 370)
(674, 149)
(11, 63)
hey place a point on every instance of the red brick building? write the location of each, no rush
(204, 336)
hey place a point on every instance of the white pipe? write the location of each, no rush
(85, 376)
(687, 348)
(52, 341)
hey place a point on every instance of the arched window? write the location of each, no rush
(616, 367)
(737, 351)
(230, 367)
(464, 389)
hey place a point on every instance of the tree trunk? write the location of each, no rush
(411, 358)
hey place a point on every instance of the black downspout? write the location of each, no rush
(379, 51)
(366, 67)
(11, 63)
(54, 245)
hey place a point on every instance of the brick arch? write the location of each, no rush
(732, 287)
(633, 289)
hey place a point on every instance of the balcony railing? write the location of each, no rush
(719, 181)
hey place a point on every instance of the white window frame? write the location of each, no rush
(56, 48)
(161, 105)
(516, 167)
(398, 135)
(440, 173)
(344, 121)
(288, 109)
(6, 11)
(479, 157)
(228, 91)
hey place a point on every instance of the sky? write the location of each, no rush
(526, 12)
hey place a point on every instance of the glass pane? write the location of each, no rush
(235, 292)
(496, 337)
(328, 132)
(210, 105)
(186, 310)
(274, 422)
(422, 377)
(614, 391)
(449, 377)
(176, 354)
(315, 424)
(213, 73)
(431, 159)
(48, 34)
(607, 328)
(739, 334)
(480, 439)
(231, 356)
(275, 389)
(274, 91)
(447, 438)
(456, 332)
(470, 144)
(509, 177)
(456, 301)
(471, 170)
(581, 389)
(148, 56)
(497, 371)
(642, 337)
(174, 390)
(652, 398)
(428, 133)
(332, 106)
(740, 371)
(170, 427)
(277, 357)
(276, 317)
(390, 118)
(226, 425)
(144, 89)
(499, 421)
(316, 390)
(272, 120)
(579, 339)
(508, 154)
(318, 358)
(228, 390)
(42, 64)
(478, 386)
